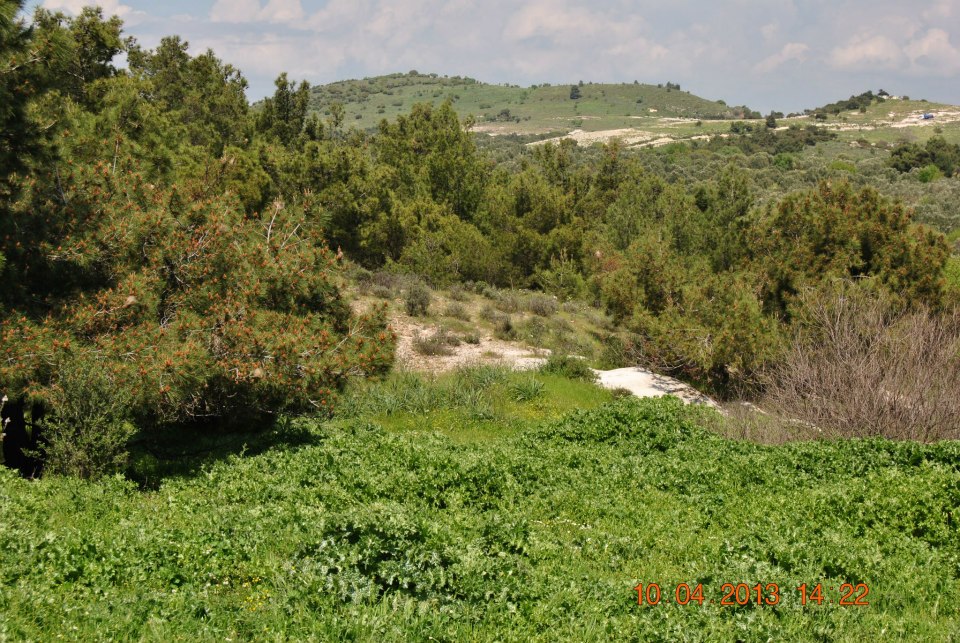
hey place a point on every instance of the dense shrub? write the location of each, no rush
(459, 292)
(416, 300)
(157, 230)
(759, 138)
(346, 528)
(858, 102)
(645, 425)
(382, 292)
(562, 278)
(542, 305)
(227, 316)
(508, 301)
(87, 433)
(836, 231)
(936, 152)
(488, 313)
(929, 173)
(533, 330)
(503, 328)
(190, 286)
(569, 366)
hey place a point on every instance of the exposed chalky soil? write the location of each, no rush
(488, 350)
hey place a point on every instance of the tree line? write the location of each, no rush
(172, 255)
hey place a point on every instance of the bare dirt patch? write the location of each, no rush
(505, 129)
(489, 350)
(628, 135)
(644, 383)
(484, 348)
(660, 142)
(915, 119)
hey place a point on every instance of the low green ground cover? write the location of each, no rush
(475, 507)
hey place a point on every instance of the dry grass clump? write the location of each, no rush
(858, 367)
(745, 421)
(458, 293)
(507, 301)
(440, 342)
(488, 313)
(534, 330)
(542, 305)
(380, 283)
(503, 327)
(572, 306)
(457, 311)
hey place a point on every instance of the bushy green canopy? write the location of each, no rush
(148, 249)
(186, 248)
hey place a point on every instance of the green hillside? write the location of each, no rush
(640, 114)
(898, 120)
(515, 109)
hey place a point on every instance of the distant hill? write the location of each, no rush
(515, 109)
(638, 114)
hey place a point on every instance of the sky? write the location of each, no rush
(783, 55)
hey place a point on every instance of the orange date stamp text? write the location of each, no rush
(760, 594)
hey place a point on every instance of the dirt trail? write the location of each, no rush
(489, 350)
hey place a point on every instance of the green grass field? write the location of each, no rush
(481, 506)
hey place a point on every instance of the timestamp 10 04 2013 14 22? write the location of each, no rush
(742, 594)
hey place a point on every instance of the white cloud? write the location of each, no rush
(550, 20)
(770, 32)
(268, 54)
(919, 53)
(791, 51)
(563, 41)
(865, 53)
(131, 16)
(939, 10)
(235, 11)
(243, 11)
(572, 25)
(395, 24)
(458, 6)
(933, 53)
(282, 11)
(110, 7)
(339, 15)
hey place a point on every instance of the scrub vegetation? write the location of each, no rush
(209, 433)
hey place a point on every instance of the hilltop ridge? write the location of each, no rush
(639, 114)
(513, 109)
